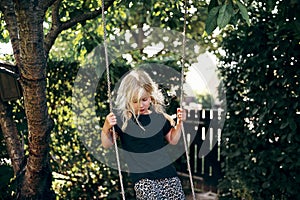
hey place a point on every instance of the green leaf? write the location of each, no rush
(271, 4)
(292, 124)
(224, 16)
(211, 21)
(266, 185)
(284, 125)
(236, 154)
(212, 4)
(244, 12)
(255, 110)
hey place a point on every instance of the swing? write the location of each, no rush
(181, 100)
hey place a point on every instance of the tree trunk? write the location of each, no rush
(10, 133)
(36, 181)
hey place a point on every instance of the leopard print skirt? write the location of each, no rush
(159, 189)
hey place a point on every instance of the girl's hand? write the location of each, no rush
(174, 134)
(181, 115)
(111, 120)
(107, 136)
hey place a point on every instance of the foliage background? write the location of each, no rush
(260, 71)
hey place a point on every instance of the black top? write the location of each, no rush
(145, 150)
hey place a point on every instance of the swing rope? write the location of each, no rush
(110, 100)
(181, 100)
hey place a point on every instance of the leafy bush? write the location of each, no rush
(260, 72)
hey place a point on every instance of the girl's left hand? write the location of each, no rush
(181, 115)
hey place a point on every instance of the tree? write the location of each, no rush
(31, 43)
(260, 71)
(24, 22)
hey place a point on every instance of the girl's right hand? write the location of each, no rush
(107, 133)
(110, 121)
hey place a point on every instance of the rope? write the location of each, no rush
(181, 100)
(110, 100)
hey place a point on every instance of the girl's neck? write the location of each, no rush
(146, 113)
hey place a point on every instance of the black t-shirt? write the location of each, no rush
(145, 150)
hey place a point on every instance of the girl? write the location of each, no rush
(144, 130)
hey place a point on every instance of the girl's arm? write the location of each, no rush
(174, 134)
(107, 133)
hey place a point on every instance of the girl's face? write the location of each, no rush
(141, 106)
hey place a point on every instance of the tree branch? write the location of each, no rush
(8, 10)
(57, 26)
(46, 4)
(10, 133)
(55, 13)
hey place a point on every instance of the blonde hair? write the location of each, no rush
(134, 85)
